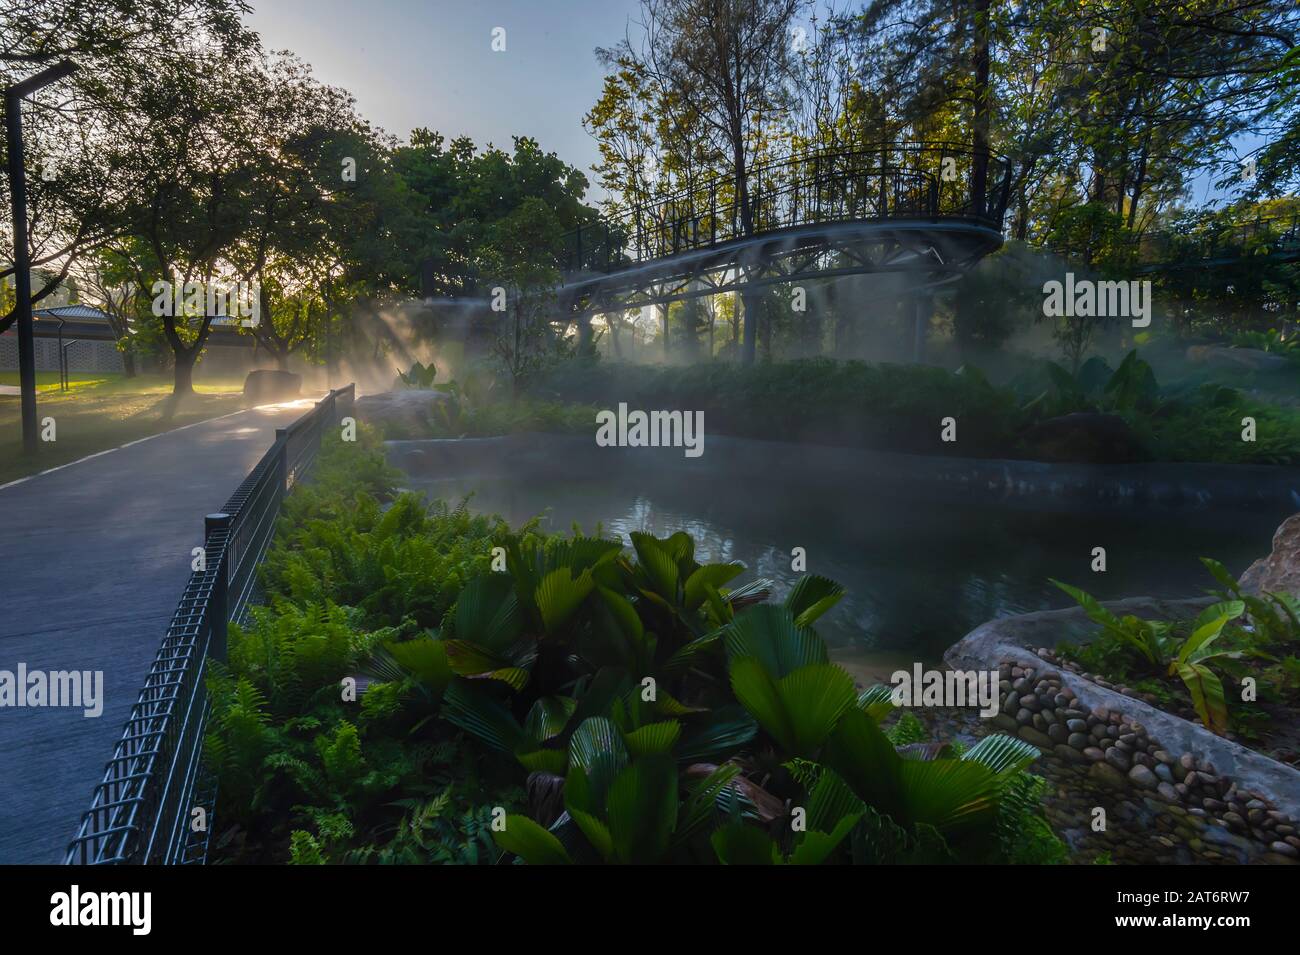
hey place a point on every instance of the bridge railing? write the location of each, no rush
(1198, 244)
(926, 181)
(141, 811)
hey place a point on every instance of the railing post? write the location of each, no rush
(282, 442)
(218, 525)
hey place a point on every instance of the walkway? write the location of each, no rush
(93, 558)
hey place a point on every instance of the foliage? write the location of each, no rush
(1200, 653)
(418, 376)
(652, 709)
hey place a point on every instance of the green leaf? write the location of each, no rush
(799, 710)
(739, 844)
(1002, 754)
(769, 634)
(548, 716)
(714, 575)
(653, 739)
(1206, 690)
(531, 842)
(598, 751)
(487, 613)
(643, 809)
(811, 596)
(560, 594)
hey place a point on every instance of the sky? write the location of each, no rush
(413, 63)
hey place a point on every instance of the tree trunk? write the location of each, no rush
(983, 108)
(128, 363)
(183, 380)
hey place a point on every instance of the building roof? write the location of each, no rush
(81, 313)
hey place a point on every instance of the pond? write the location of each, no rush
(922, 565)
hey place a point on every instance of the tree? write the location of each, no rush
(83, 177)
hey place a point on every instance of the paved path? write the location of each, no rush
(93, 558)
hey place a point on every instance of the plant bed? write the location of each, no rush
(1233, 668)
(428, 686)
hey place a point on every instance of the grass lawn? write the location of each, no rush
(101, 412)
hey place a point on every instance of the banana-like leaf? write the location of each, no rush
(1207, 628)
(1206, 690)
(769, 634)
(811, 596)
(642, 809)
(531, 842)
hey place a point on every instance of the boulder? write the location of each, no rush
(269, 385)
(1236, 359)
(1083, 436)
(1279, 572)
(400, 414)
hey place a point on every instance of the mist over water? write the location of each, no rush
(921, 569)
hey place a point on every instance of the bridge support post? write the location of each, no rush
(750, 305)
(923, 308)
(584, 335)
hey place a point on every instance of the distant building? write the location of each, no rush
(95, 349)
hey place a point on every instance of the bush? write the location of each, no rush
(651, 711)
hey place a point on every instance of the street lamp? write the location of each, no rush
(22, 259)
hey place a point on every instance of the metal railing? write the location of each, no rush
(141, 811)
(873, 182)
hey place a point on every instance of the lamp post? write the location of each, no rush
(22, 258)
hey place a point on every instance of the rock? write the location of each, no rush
(1142, 777)
(1107, 775)
(266, 386)
(400, 414)
(1119, 759)
(1167, 792)
(1005, 722)
(1031, 735)
(1056, 732)
(1164, 773)
(1084, 437)
(1236, 359)
(1076, 726)
(1279, 572)
(1024, 717)
(1069, 755)
(1094, 754)
(1077, 740)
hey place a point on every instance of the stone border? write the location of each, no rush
(1156, 752)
